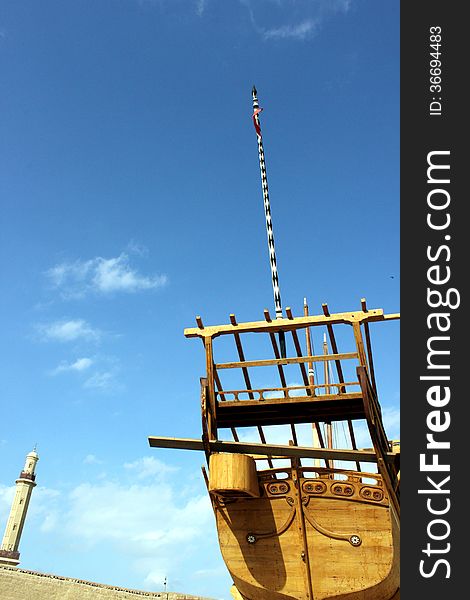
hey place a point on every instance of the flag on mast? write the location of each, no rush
(269, 224)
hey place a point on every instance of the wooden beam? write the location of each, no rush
(268, 449)
(369, 347)
(286, 361)
(320, 399)
(276, 325)
(260, 394)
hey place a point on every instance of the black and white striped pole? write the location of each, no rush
(269, 224)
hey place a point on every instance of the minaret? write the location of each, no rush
(9, 554)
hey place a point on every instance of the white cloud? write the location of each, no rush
(145, 521)
(45, 507)
(101, 275)
(292, 19)
(391, 420)
(103, 381)
(201, 6)
(7, 494)
(299, 30)
(49, 523)
(156, 579)
(148, 466)
(161, 527)
(90, 459)
(68, 331)
(154, 522)
(98, 373)
(115, 274)
(107, 511)
(79, 365)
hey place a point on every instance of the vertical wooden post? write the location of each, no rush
(360, 345)
(205, 417)
(329, 427)
(300, 519)
(211, 401)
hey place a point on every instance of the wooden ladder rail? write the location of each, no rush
(369, 346)
(339, 371)
(387, 470)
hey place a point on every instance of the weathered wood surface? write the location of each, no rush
(272, 565)
(233, 474)
(286, 361)
(268, 449)
(295, 409)
(276, 325)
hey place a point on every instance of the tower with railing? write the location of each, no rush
(9, 553)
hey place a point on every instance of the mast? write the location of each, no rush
(329, 428)
(269, 224)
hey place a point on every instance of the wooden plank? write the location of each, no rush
(302, 532)
(369, 347)
(276, 325)
(360, 344)
(291, 399)
(268, 449)
(212, 414)
(242, 415)
(293, 391)
(285, 361)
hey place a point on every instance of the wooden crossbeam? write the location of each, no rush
(320, 399)
(268, 449)
(293, 391)
(286, 361)
(276, 325)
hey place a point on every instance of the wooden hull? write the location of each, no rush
(309, 538)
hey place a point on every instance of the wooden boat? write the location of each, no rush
(297, 531)
(298, 520)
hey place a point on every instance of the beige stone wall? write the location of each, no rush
(18, 584)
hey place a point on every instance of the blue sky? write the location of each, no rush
(131, 202)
